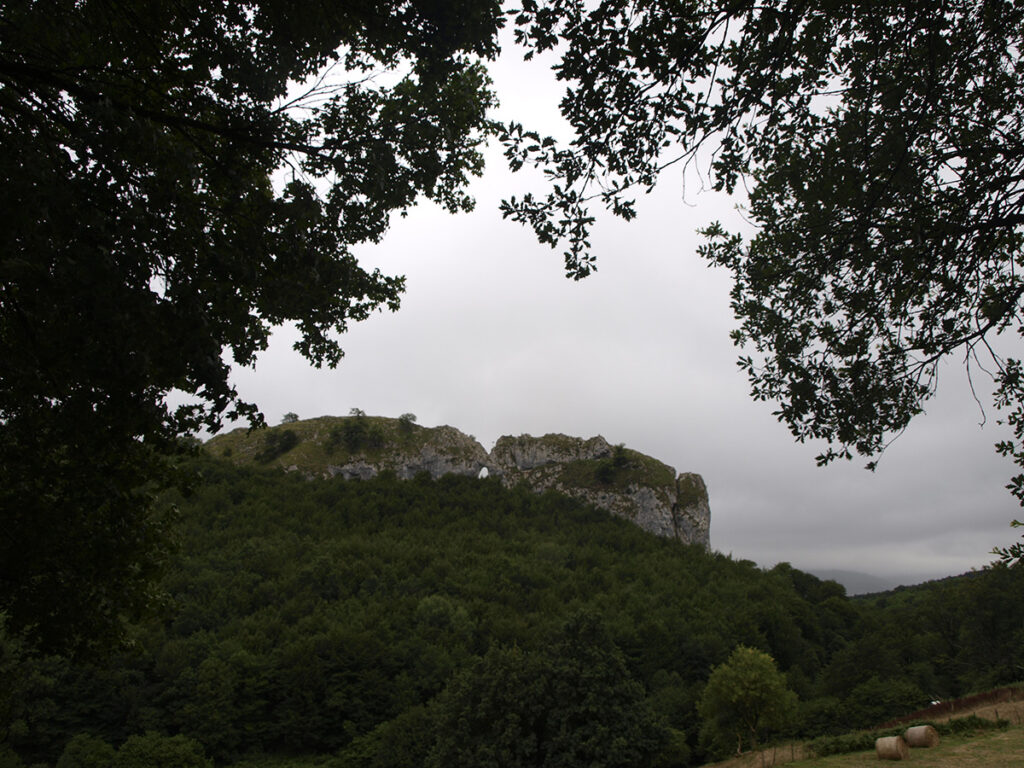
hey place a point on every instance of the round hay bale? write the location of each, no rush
(892, 748)
(921, 736)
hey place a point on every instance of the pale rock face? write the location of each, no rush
(448, 451)
(353, 470)
(625, 483)
(653, 510)
(692, 512)
(675, 509)
(528, 452)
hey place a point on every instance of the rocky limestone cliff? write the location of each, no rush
(627, 483)
(438, 451)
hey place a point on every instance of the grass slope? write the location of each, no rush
(1004, 749)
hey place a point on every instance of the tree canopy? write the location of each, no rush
(880, 150)
(572, 704)
(169, 194)
(746, 698)
(383, 622)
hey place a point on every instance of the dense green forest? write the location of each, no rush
(456, 622)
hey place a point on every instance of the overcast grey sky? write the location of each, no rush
(493, 340)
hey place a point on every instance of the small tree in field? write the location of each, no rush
(746, 699)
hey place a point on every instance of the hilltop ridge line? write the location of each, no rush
(622, 481)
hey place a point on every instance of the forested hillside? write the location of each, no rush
(456, 622)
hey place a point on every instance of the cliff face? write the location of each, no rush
(624, 482)
(438, 451)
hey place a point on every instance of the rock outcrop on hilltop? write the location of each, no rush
(447, 451)
(624, 482)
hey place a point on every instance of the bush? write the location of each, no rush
(821, 716)
(571, 703)
(406, 423)
(154, 750)
(605, 472)
(356, 433)
(86, 751)
(876, 700)
(844, 743)
(676, 751)
(970, 724)
(620, 459)
(8, 758)
(404, 741)
(277, 443)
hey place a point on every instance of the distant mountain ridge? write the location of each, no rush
(626, 483)
(857, 582)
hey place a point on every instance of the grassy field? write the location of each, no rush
(996, 749)
(1000, 749)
